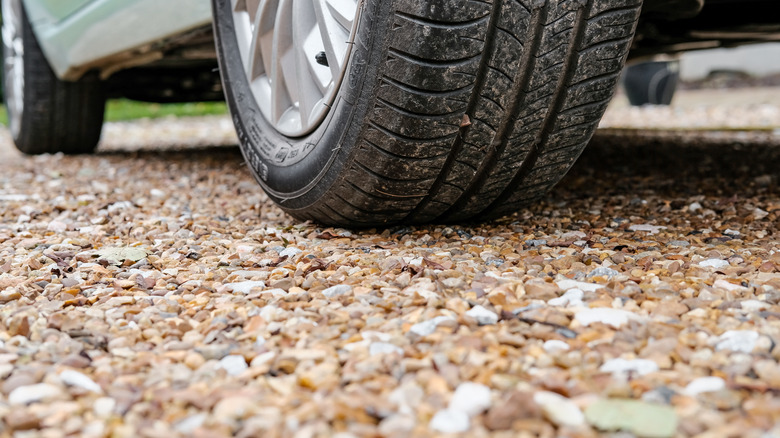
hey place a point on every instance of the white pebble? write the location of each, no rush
(482, 315)
(741, 341)
(449, 421)
(581, 285)
(75, 378)
(33, 393)
(471, 399)
(57, 226)
(263, 359)
(714, 263)
(652, 229)
(104, 407)
(639, 367)
(725, 285)
(384, 348)
(572, 297)
(335, 291)
(559, 410)
(425, 328)
(704, 384)
(245, 287)
(233, 364)
(189, 424)
(290, 252)
(612, 317)
(554, 346)
(754, 305)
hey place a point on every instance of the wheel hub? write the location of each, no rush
(295, 53)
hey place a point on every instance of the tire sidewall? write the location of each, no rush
(298, 186)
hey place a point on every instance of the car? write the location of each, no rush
(361, 113)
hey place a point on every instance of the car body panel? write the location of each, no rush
(99, 34)
(52, 11)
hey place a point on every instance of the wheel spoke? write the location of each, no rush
(324, 20)
(294, 54)
(281, 88)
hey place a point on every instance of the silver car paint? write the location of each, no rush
(106, 34)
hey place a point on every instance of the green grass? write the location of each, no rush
(123, 109)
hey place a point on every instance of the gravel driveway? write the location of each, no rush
(152, 290)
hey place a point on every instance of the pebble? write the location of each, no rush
(188, 425)
(377, 348)
(615, 318)
(245, 287)
(482, 315)
(75, 378)
(704, 384)
(740, 341)
(24, 395)
(290, 252)
(603, 272)
(426, 328)
(337, 291)
(471, 399)
(233, 364)
(652, 229)
(572, 297)
(581, 285)
(554, 346)
(450, 421)
(714, 263)
(559, 410)
(640, 367)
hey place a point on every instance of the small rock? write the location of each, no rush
(384, 348)
(730, 232)
(290, 252)
(482, 315)
(559, 410)
(104, 407)
(24, 395)
(234, 364)
(704, 384)
(518, 406)
(189, 424)
(335, 291)
(612, 317)
(680, 243)
(636, 366)
(694, 207)
(572, 297)
(731, 287)
(471, 398)
(759, 214)
(642, 419)
(425, 328)
(714, 263)
(450, 421)
(75, 378)
(232, 408)
(741, 341)
(581, 285)
(603, 272)
(245, 287)
(554, 346)
(652, 229)
(57, 226)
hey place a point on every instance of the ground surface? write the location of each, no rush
(151, 290)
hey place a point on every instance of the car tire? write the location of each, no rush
(45, 114)
(449, 110)
(651, 83)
